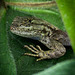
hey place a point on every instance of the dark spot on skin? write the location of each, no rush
(28, 29)
(29, 24)
(44, 30)
(48, 54)
(45, 40)
(48, 34)
(20, 24)
(30, 21)
(14, 25)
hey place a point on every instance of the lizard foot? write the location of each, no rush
(49, 54)
(34, 50)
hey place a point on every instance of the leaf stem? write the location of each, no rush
(34, 4)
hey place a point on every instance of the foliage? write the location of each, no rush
(11, 46)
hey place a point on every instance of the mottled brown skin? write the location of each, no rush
(49, 35)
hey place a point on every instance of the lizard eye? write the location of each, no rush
(30, 21)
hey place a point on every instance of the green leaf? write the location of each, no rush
(67, 11)
(7, 64)
(25, 64)
(13, 45)
(64, 68)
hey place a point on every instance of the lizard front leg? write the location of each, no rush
(34, 50)
(44, 54)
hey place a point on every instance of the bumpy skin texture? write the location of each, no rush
(49, 35)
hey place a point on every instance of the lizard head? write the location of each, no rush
(29, 27)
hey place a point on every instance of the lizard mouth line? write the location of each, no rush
(26, 34)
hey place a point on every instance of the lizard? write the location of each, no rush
(48, 34)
